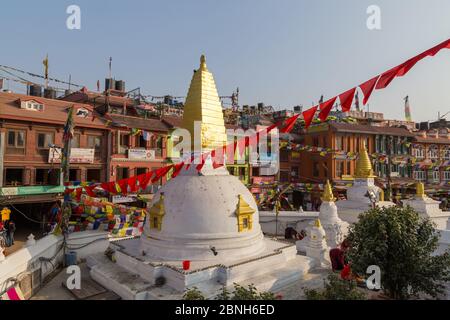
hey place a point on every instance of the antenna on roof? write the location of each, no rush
(110, 67)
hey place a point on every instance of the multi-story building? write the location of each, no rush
(431, 151)
(349, 138)
(138, 138)
(31, 130)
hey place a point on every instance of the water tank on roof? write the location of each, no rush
(298, 109)
(110, 84)
(35, 90)
(50, 93)
(168, 100)
(120, 85)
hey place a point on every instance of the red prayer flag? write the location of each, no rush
(346, 99)
(325, 109)
(90, 191)
(112, 187)
(290, 123)
(368, 87)
(105, 186)
(132, 183)
(78, 193)
(123, 184)
(308, 116)
(387, 77)
(177, 169)
(161, 172)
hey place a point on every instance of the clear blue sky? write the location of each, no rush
(284, 52)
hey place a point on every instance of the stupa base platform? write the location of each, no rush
(133, 276)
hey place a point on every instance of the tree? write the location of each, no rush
(336, 289)
(193, 294)
(239, 293)
(401, 244)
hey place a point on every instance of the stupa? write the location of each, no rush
(359, 195)
(336, 230)
(203, 227)
(428, 208)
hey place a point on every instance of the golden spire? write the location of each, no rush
(203, 104)
(328, 193)
(317, 224)
(420, 189)
(363, 165)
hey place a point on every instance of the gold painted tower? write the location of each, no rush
(203, 105)
(364, 168)
(328, 193)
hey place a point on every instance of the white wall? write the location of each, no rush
(297, 220)
(27, 259)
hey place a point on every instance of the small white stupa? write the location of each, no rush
(335, 229)
(428, 208)
(316, 247)
(359, 195)
(203, 227)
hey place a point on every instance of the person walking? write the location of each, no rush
(11, 228)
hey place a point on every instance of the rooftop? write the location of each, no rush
(54, 111)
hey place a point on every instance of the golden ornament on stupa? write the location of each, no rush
(203, 105)
(364, 168)
(420, 190)
(327, 195)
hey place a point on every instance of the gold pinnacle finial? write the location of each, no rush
(203, 62)
(420, 189)
(328, 193)
(317, 224)
(202, 106)
(363, 165)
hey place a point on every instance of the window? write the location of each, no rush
(122, 173)
(124, 142)
(420, 175)
(142, 143)
(447, 175)
(349, 167)
(433, 152)
(419, 152)
(13, 177)
(446, 154)
(339, 143)
(44, 140)
(339, 168)
(15, 142)
(47, 177)
(316, 170)
(284, 155)
(315, 141)
(33, 105)
(141, 171)
(433, 176)
(75, 143)
(74, 174)
(94, 142)
(93, 175)
(294, 172)
(245, 223)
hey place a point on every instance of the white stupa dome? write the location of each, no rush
(206, 216)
